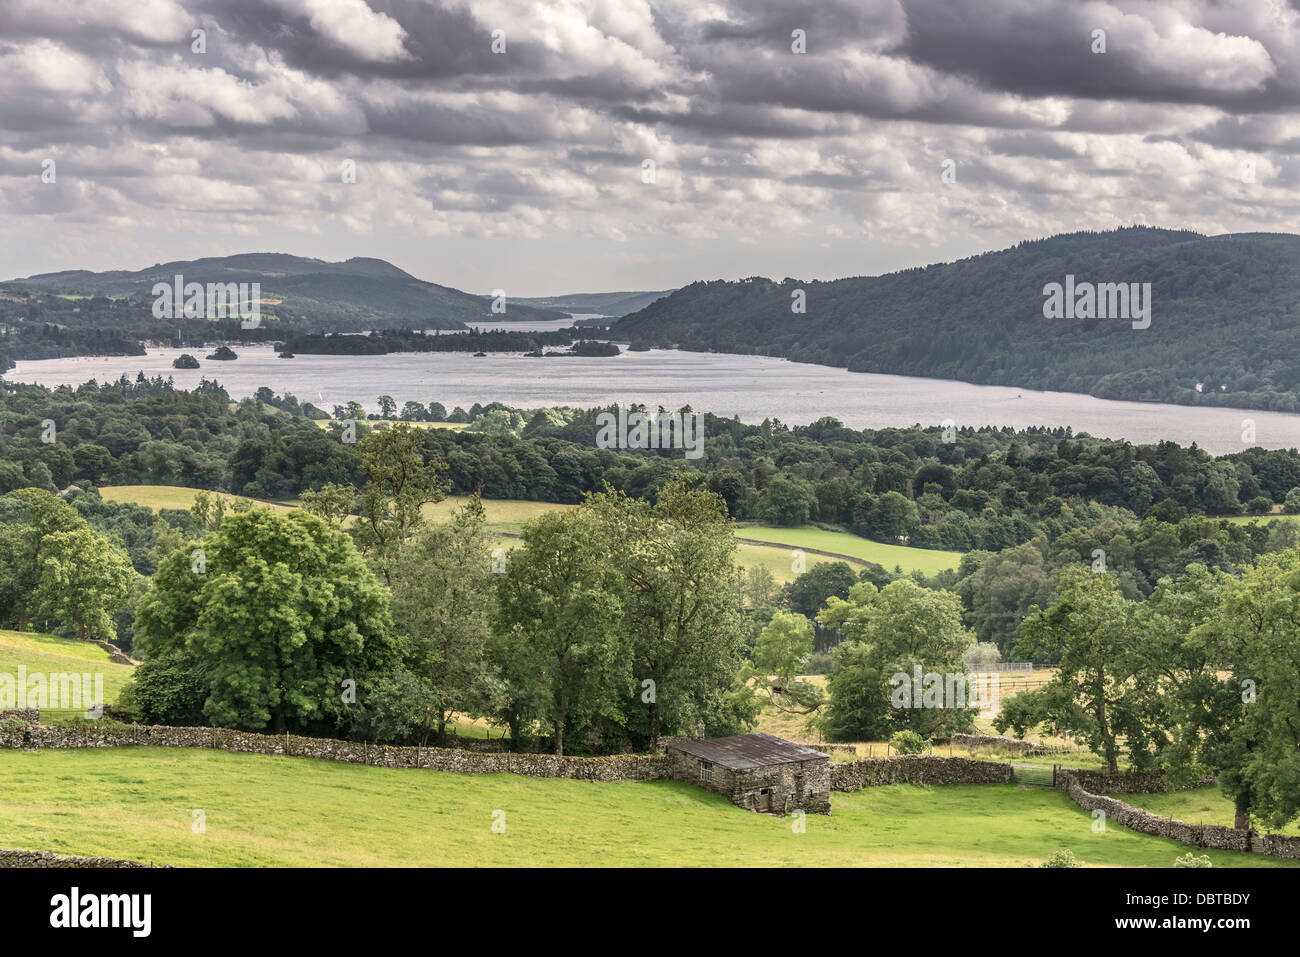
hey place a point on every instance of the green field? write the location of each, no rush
(1205, 805)
(502, 515)
(777, 560)
(926, 560)
(265, 810)
(169, 496)
(50, 655)
(1262, 519)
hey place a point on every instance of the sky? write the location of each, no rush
(596, 145)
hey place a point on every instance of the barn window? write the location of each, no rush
(706, 771)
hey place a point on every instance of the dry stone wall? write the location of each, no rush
(1211, 836)
(19, 858)
(916, 769)
(115, 654)
(1012, 745)
(1127, 782)
(622, 767)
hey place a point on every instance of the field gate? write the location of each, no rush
(1034, 775)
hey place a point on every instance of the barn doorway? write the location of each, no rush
(764, 800)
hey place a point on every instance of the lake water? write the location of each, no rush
(539, 325)
(751, 387)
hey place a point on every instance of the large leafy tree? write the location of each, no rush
(783, 646)
(1257, 629)
(281, 612)
(331, 501)
(560, 615)
(443, 602)
(30, 518)
(787, 502)
(891, 631)
(808, 593)
(1004, 587)
(85, 579)
(1191, 660)
(676, 559)
(400, 484)
(1102, 692)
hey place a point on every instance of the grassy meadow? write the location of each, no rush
(1263, 519)
(264, 810)
(926, 560)
(502, 515)
(1203, 805)
(172, 496)
(52, 655)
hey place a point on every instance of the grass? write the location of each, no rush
(928, 561)
(503, 515)
(264, 810)
(1204, 805)
(507, 515)
(774, 559)
(51, 655)
(1246, 519)
(171, 496)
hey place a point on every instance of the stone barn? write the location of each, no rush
(760, 772)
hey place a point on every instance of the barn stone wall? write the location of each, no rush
(1001, 743)
(803, 785)
(916, 769)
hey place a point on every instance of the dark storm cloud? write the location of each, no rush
(440, 43)
(1049, 49)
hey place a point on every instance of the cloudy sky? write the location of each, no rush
(525, 168)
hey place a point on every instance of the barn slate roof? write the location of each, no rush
(743, 751)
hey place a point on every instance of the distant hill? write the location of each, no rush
(347, 296)
(598, 303)
(1225, 314)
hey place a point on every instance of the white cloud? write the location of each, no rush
(352, 25)
(52, 67)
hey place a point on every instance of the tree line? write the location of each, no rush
(967, 489)
(608, 625)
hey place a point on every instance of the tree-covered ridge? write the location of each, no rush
(352, 295)
(1224, 315)
(49, 326)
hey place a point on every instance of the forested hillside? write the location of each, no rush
(299, 293)
(599, 303)
(1225, 314)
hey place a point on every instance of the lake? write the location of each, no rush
(751, 387)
